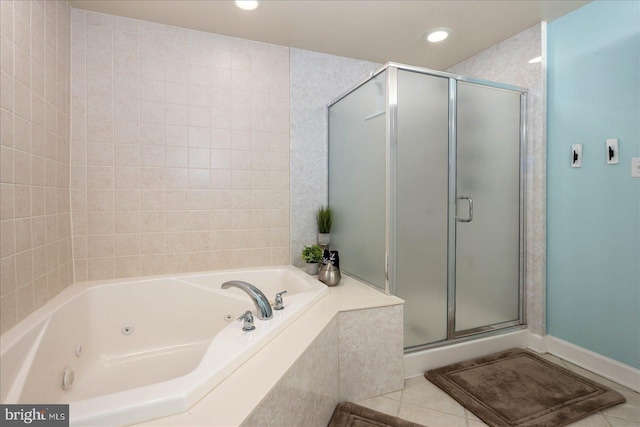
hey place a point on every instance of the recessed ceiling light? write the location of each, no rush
(248, 4)
(437, 35)
(535, 60)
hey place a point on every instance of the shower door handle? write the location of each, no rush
(470, 217)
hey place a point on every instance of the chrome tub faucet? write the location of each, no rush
(263, 307)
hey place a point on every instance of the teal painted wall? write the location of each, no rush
(593, 213)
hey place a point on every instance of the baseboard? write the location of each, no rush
(606, 367)
(419, 362)
(538, 343)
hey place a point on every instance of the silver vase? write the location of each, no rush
(329, 274)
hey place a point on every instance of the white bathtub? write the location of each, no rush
(149, 347)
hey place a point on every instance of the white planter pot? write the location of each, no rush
(324, 239)
(312, 267)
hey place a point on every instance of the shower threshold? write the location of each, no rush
(443, 353)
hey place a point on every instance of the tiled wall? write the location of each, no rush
(309, 391)
(371, 359)
(347, 361)
(508, 62)
(35, 250)
(179, 149)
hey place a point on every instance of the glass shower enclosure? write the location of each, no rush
(426, 181)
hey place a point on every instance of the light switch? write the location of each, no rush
(635, 167)
(613, 157)
(576, 155)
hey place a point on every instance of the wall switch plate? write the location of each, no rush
(576, 155)
(613, 157)
(635, 167)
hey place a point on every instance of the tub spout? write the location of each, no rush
(263, 308)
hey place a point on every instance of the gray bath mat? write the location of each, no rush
(348, 414)
(517, 388)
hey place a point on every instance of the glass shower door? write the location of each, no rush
(421, 205)
(357, 180)
(487, 261)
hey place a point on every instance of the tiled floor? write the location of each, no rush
(424, 403)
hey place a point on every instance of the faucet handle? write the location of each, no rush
(278, 302)
(248, 321)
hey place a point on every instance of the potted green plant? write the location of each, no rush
(324, 218)
(312, 255)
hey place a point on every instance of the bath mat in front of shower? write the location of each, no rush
(517, 388)
(348, 414)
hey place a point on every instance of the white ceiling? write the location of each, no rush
(378, 31)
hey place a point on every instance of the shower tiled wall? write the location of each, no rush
(179, 149)
(35, 250)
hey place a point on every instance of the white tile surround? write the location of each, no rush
(179, 149)
(35, 250)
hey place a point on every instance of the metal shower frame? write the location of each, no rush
(390, 236)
